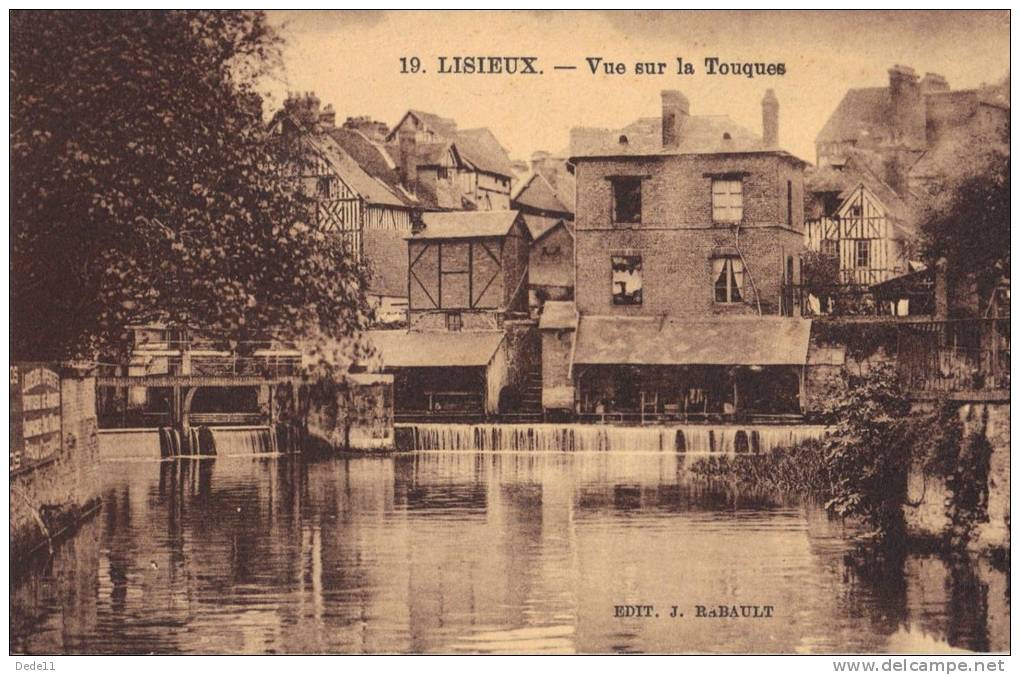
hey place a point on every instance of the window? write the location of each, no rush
(727, 200)
(442, 173)
(626, 199)
(626, 280)
(324, 187)
(830, 247)
(728, 274)
(862, 253)
(789, 202)
(454, 321)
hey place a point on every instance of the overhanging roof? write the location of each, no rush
(425, 349)
(729, 341)
(466, 224)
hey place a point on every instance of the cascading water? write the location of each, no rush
(691, 438)
(227, 441)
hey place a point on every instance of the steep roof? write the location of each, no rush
(373, 158)
(539, 226)
(372, 190)
(465, 224)
(700, 135)
(480, 148)
(444, 126)
(861, 111)
(536, 192)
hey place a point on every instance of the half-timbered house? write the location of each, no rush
(370, 216)
(467, 348)
(450, 168)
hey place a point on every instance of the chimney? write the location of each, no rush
(907, 113)
(408, 158)
(538, 159)
(327, 118)
(770, 119)
(675, 111)
(933, 83)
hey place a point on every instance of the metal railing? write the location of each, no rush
(954, 356)
(855, 300)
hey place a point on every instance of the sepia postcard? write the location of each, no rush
(511, 332)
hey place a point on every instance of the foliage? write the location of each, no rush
(819, 271)
(967, 219)
(143, 189)
(867, 451)
(962, 463)
(800, 468)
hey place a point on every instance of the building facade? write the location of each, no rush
(688, 232)
(470, 344)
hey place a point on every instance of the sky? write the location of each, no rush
(352, 60)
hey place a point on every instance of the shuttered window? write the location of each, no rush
(727, 201)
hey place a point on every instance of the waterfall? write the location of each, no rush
(115, 444)
(227, 441)
(689, 438)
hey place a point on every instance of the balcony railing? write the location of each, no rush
(856, 300)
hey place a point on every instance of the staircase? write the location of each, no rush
(531, 392)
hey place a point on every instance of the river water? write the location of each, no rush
(479, 552)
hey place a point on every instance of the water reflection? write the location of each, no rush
(461, 551)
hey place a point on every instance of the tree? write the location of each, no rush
(143, 188)
(967, 220)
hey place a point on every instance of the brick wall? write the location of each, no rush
(557, 385)
(386, 253)
(61, 491)
(552, 260)
(676, 236)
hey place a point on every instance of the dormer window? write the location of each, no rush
(727, 200)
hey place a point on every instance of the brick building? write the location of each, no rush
(687, 233)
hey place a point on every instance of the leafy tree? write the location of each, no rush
(967, 220)
(143, 188)
(868, 449)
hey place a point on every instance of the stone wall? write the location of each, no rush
(928, 497)
(52, 497)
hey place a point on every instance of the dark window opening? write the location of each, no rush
(626, 280)
(626, 200)
(454, 321)
(442, 173)
(789, 202)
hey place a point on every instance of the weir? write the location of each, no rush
(166, 442)
(688, 438)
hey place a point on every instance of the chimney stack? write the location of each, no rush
(407, 149)
(538, 159)
(933, 83)
(675, 111)
(327, 118)
(907, 112)
(770, 119)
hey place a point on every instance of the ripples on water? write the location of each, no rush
(472, 552)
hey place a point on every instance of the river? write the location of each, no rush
(479, 552)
